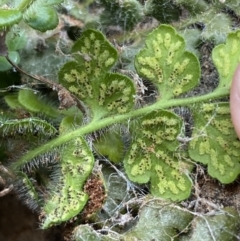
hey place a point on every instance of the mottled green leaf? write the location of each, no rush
(152, 156)
(166, 63)
(214, 141)
(226, 58)
(95, 53)
(88, 79)
(69, 198)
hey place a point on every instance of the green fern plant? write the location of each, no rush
(155, 153)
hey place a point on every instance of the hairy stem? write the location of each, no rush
(99, 124)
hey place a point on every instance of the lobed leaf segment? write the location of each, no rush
(68, 198)
(166, 63)
(153, 156)
(226, 58)
(88, 77)
(211, 120)
(214, 141)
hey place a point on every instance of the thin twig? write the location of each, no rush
(65, 98)
(50, 83)
(5, 191)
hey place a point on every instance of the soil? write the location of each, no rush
(18, 223)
